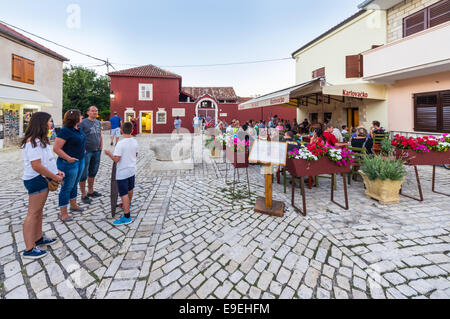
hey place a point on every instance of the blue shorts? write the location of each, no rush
(125, 185)
(115, 132)
(36, 185)
(91, 165)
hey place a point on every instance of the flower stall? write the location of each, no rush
(427, 150)
(317, 159)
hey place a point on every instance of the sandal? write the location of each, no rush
(79, 209)
(68, 219)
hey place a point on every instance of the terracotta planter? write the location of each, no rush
(386, 192)
(215, 152)
(415, 158)
(238, 159)
(300, 168)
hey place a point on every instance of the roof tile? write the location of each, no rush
(150, 71)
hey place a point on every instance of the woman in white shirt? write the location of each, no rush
(39, 165)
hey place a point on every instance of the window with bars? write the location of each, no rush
(429, 17)
(145, 92)
(432, 112)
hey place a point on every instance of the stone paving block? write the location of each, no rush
(416, 261)
(304, 292)
(207, 288)
(20, 292)
(412, 273)
(223, 290)
(38, 282)
(264, 280)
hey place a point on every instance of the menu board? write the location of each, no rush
(265, 152)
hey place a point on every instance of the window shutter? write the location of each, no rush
(18, 68)
(415, 23)
(318, 73)
(445, 102)
(29, 72)
(354, 66)
(426, 112)
(439, 13)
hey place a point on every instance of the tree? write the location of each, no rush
(82, 88)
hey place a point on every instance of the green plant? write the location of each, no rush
(210, 142)
(375, 167)
(386, 147)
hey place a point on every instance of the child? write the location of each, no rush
(125, 155)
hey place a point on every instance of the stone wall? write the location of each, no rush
(396, 14)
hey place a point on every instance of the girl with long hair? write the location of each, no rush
(39, 165)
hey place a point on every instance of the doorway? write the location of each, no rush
(207, 109)
(146, 122)
(353, 117)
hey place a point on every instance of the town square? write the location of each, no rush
(125, 181)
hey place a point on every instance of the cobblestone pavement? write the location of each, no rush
(191, 238)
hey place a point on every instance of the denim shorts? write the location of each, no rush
(125, 186)
(91, 165)
(36, 185)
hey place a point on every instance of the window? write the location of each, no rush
(161, 116)
(354, 66)
(145, 92)
(432, 112)
(318, 73)
(22, 69)
(427, 18)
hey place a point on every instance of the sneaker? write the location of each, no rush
(35, 253)
(122, 221)
(86, 200)
(94, 195)
(46, 241)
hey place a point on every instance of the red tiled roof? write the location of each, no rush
(219, 93)
(21, 38)
(149, 71)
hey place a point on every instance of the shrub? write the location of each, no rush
(376, 167)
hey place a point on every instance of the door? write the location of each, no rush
(146, 122)
(352, 118)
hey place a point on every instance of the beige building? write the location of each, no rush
(31, 80)
(329, 75)
(414, 64)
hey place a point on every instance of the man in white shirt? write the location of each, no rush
(125, 155)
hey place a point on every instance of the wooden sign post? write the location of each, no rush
(269, 153)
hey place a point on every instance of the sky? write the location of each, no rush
(174, 33)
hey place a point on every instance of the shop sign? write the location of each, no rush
(178, 112)
(361, 95)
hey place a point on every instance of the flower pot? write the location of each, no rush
(415, 158)
(238, 159)
(215, 152)
(386, 192)
(299, 167)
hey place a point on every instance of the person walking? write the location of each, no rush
(135, 127)
(116, 123)
(125, 155)
(196, 124)
(94, 145)
(70, 146)
(177, 124)
(40, 165)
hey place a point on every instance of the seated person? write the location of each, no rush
(376, 129)
(329, 136)
(344, 129)
(291, 142)
(318, 136)
(362, 140)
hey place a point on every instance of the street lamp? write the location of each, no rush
(112, 95)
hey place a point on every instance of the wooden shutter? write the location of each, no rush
(354, 66)
(445, 106)
(18, 68)
(29, 72)
(426, 112)
(415, 23)
(438, 13)
(318, 73)
(22, 69)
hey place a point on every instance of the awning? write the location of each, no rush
(289, 97)
(15, 95)
(359, 90)
(286, 97)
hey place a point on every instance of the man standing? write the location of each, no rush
(177, 124)
(116, 123)
(195, 124)
(94, 144)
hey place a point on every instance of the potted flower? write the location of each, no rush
(237, 152)
(428, 150)
(383, 178)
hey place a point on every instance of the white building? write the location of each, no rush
(31, 80)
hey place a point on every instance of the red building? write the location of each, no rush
(156, 97)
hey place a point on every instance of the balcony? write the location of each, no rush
(420, 54)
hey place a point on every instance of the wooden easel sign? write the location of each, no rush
(268, 153)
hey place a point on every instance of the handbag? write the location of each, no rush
(52, 185)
